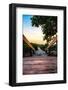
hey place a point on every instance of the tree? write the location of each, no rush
(48, 25)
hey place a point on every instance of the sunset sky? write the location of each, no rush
(33, 34)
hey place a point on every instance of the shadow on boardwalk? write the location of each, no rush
(39, 65)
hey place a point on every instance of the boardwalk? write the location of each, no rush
(39, 65)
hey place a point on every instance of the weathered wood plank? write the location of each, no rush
(39, 65)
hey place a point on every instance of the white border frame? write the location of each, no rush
(44, 77)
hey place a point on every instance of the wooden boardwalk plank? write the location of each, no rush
(39, 65)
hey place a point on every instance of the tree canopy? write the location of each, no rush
(48, 25)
